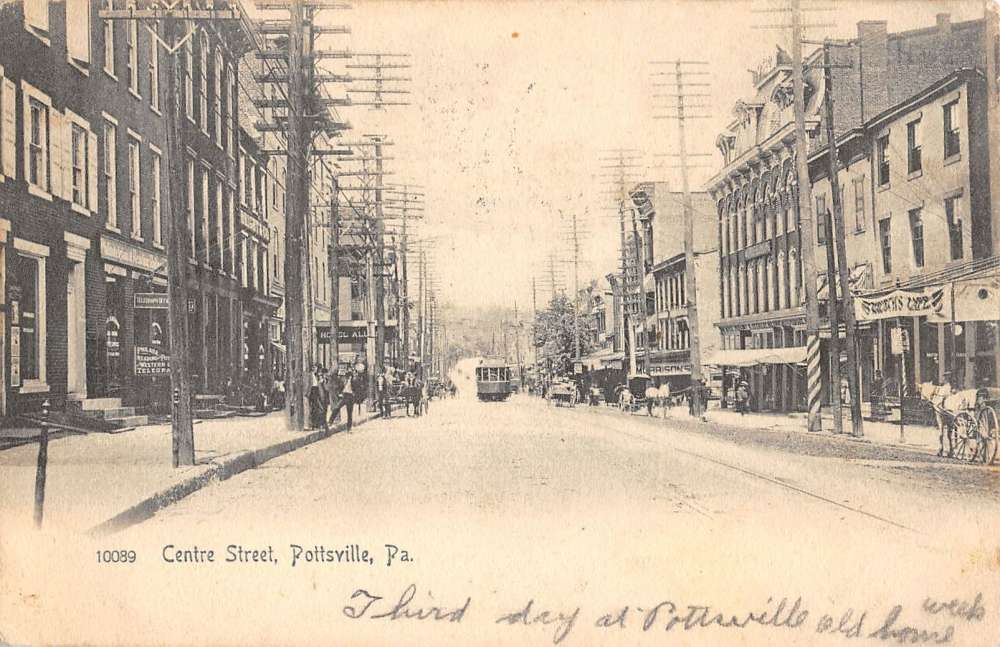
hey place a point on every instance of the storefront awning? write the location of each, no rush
(752, 357)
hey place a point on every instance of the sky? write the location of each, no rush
(513, 105)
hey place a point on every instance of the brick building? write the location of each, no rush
(760, 279)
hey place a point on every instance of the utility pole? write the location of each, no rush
(296, 256)
(838, 235)
(380, 272)
(176, 227)
(623, 161)
(420, 309)
(332, 261)
(576, 290)
(404, 313)
(682, 70)
(814, 381)
(178, 242)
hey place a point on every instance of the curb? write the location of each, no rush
(226, 469)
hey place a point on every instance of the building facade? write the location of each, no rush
(760, 251)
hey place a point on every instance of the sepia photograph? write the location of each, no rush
(499, 322)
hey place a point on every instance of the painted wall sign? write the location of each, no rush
(150, 361)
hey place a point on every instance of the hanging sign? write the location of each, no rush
(928, 302)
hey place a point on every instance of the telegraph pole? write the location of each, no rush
(576, 290)
(380, 272)
(176, 230)
(838, 234)
(332, 261)
(296, 257)
(682, 70)
(814, 380)
(178, 241)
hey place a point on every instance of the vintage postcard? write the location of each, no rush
(500, 322)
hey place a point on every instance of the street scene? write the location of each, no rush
(492, 323)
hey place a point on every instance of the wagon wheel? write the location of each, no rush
(989, 429)
(964, 429)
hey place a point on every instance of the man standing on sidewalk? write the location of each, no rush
(347, 399)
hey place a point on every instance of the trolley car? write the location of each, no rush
(493, 380)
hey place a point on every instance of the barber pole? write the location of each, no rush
(814, 382)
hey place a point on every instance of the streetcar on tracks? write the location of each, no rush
(494, 380)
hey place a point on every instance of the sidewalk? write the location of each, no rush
(918, 438)
(94, 478)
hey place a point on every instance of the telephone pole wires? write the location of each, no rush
(682, 70)
(838, 235)
(178, 236)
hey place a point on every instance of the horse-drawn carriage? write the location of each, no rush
(563, 391)
(967, 421)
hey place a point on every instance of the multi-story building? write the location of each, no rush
(760, 278)
(82, 206)
(666, 353)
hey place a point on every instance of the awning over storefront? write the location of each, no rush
(859, 278)
(601, 358)
(279, 347)
(752, 357)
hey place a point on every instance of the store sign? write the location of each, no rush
(344, 335)
(151, 300)
(670, 369)
(929, 302)
(150, 361)
(123, 253)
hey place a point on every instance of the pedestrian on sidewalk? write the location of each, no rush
(315, 398)
(652, 394)
(347, 399)
(382, 394)
(334, 389)
(743, 397)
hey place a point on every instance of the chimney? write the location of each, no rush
(873, 68)
(944, 23)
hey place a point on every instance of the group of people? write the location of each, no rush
(412, 388)
(330, 393)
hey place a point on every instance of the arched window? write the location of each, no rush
(203, 82)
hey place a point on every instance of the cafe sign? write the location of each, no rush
(929, 302)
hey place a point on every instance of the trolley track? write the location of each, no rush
(757, 476)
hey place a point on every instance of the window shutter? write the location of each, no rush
(8, 145)
(36, 14)
(92, 172)
(78, 30)
(56, 121)
(67, 151)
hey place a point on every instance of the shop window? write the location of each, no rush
(29, 313)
